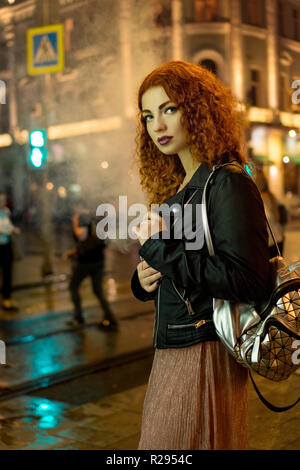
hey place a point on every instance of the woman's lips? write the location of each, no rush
(164, 140)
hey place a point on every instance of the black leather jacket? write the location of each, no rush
(239, 271)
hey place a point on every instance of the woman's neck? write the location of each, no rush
(189, 164)
(187, 177)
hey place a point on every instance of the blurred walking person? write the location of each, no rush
(6, 253)
(88, 261)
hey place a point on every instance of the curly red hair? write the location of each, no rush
(209, 116)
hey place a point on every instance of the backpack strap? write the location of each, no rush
(277, 409)
(204, 211)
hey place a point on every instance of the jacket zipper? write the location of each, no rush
(186, 301)
(157, 316)
(196, 325)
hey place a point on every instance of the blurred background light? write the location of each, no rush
(75, 188)
(49, 186)
(273, 171)
(62, 192)
(292, 133)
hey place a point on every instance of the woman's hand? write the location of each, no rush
(148, 276)
(151, 224)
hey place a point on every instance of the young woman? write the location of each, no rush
(197, 394)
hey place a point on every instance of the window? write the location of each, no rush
(254, 12)
(210, 65)
(253, 93)
(205, 10)
(295, 22)
(281, 18)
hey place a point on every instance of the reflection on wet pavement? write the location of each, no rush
(72, 352)
(37, 423)
(113, 422)
(26, 419)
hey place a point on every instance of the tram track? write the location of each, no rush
(70, 353)
(43, 383)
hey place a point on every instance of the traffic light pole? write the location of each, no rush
(47, 266)
(46, 13)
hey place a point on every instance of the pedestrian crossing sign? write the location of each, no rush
(45, 49)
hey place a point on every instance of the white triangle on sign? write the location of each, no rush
(45, 52)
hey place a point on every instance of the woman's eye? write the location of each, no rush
(173, 108)
(168, 110)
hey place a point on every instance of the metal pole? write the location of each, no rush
(47, 266)
(44, 17)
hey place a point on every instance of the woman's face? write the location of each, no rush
(162, 119)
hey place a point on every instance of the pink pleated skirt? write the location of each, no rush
(197, 398)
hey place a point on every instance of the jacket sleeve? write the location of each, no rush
(239, 270)
(138, 291)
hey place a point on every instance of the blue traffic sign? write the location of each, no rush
(45, 49)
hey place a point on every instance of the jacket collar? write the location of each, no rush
(197, 181)
(200, 176)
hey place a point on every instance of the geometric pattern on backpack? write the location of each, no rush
(282, 327)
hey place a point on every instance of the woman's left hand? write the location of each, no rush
(151, 224)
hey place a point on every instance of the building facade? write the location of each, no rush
(253, 46)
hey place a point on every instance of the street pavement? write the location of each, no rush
(40, 345)
(113, 422)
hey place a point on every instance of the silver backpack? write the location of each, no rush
(264, 341)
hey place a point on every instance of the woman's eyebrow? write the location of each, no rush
(161, 106)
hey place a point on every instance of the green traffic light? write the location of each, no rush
(38, 150)
(36, 157)
(37, 138)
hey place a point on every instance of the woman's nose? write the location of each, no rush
(159, 125)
